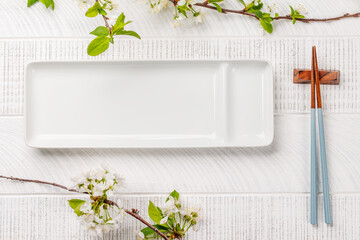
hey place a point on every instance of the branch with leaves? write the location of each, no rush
(98, 214)
(105, 35)
(184, 9)
(114, 24)
(254, 9)
(101, 215)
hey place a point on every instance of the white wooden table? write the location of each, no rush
(247, 193)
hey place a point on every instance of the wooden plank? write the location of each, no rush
(303, 76)
(288, 97)
(283, 166)
(224, 216)
(68, 20)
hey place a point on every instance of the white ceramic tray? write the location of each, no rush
(145, 104)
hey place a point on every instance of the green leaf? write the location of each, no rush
(175, 195)
(76, 204)
(129, 33)
(242, 2)
(121, 19)
(259, 14)
(31, 2)
(154, 213)
(217, 7)
(102, 12)
(251, 8)
(148, 231)
(92, 12)
(258, 7)
(101, 31)
(250, 5)
(98, 46)
(276, 15)
(266, 25)
(295, 14)
(118, 27)
(48, 3)
(292, 10)
(183, 9)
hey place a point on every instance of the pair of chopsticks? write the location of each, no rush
(315, 84)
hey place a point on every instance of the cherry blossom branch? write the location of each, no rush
(307, 20)
(205, 4)
(133, 212)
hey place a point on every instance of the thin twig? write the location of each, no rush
(133, 213)
(286, 17)
(38, 181)
(105, 20)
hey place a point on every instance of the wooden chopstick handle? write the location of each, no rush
(312, 80)
(317, 80)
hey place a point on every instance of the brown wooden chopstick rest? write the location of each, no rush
(303, 76)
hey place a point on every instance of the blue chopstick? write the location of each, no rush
(313, 164)
(324, 172)
(313, 188)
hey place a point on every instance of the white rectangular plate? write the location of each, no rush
(149, 104)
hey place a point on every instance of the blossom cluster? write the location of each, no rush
(98, 182)
(183, 8)
(172, 218)
(96, 214)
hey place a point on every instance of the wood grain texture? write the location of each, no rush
(285, 54)
(327, 77)
(225, 216)
(283, 166)
(69, 21)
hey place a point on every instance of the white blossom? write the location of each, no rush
(192, 211)
(98, 216)
(273, 9)
(111, 5)
(164, 220)
(158, 5)
(169, 207)
(175, 214)
(301, 9)
(84, 4)
(86, 208)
